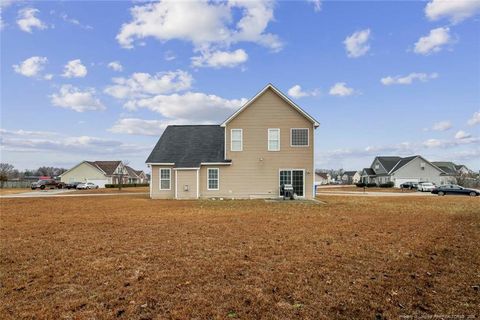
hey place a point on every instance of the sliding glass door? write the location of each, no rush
(294, 177)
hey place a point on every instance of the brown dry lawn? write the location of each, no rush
(5, 191)
(135, 258)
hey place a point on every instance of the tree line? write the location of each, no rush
(8, 172)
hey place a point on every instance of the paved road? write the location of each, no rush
(375, 194)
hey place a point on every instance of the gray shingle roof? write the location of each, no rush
(350, 173)
(188, 146)
(369, 171)
(389, 162)
(402, 162)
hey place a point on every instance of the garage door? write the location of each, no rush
(399, 181)
(99, 183)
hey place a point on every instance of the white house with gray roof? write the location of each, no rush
(407, 169)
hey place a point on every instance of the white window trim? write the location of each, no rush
(231, 140)
(160, 179)
(268, 139)
(291, 138)
(218, 178)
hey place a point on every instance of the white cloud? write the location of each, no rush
(442, 126)
(456, 11)
(18, 141)
(70, 97)
(115, 66)
(475, 119)
(297, 92)
(357, 43)
(189, 106)
(340, 89)
(144, 84)
(434, 42)
(74, 21)
(74, 69)
(31, 67)
(202, 23)
(139, 127)
(218, 59)
(135, 126)
(436, 143)
(317, 5)
(27, 20)
(408, 79)
(169, 55)
(462, 135)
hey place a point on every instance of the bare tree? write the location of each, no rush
(6, 171)
(122, 174)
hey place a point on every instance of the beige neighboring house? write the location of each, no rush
(322, 178)
(351, 177)
(267, 143)
(136, 176)
(98, 172)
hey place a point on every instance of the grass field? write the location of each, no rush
(6, 191)
(135, 258)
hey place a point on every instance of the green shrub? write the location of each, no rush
(129, 185)
(360, 184)
(371, 185)
(389, 184)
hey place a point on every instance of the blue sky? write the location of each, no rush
(100, 80)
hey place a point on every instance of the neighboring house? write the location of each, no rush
(452, 168)
(322, 178)
(348, 177)
(136, 176)
(357, 177)
(98, 172)
(266, 143)
(400, 170)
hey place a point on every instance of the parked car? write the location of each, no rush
(72, 185)
(426, 186)
(46, 184)
(409, 185)
(88, 185)
(454, 189)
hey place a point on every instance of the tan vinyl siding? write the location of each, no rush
(189, 178)
(82, 173)
(156, 193)
(249, 176)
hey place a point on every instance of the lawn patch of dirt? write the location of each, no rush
(5, 191)
(135, 258)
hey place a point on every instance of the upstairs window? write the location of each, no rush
(212, 179)
(236, 137)
(273, 139)
(299, 137)
(165, 179)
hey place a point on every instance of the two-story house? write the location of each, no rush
(265, 144)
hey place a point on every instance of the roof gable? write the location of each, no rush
(281, 95)
(108, 167)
